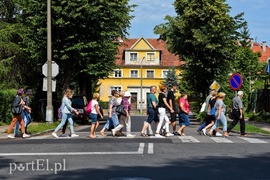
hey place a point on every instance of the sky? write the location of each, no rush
(150, 13)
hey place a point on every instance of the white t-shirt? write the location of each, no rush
(94, 102)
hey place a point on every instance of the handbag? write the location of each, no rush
(120, 109)
(16, 110)
(213, 111)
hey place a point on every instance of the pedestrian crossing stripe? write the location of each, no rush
(188, 139)
(221, 140)
(253, 140)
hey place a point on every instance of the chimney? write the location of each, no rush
(264, 46)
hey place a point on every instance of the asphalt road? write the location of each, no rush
(189, 157)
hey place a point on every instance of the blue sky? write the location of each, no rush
(150, 13)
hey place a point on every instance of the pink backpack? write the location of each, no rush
(88, 108)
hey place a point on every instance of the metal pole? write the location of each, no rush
(49, 108)
(141, 86)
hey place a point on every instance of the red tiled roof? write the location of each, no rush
(167, 59)
(257, 47)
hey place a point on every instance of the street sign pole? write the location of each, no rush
(49, 108)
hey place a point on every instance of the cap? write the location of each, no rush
(127, 94)
(29, 91)
(20, 91)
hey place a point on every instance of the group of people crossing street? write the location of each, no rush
(162, 109)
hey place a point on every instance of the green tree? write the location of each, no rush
(204, 35)
(171, 78)
(84, 37)
(11, 56)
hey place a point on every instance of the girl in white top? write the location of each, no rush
(94, 114)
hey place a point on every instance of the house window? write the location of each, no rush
(164, 73)
(133, 56)
(150, 73)
(118, 88)
(134, 73)
(117, 73)
(150, 56)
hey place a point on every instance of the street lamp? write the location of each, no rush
(141, 86)
(49, 108)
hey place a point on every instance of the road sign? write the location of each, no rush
(236, 81)
(215, 86)
(44, 88)
(55, 69)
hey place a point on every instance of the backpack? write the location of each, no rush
(88, 108)
(60, 112)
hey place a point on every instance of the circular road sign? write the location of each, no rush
(235, 81)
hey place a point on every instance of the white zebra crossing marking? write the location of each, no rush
(188, 139)
(253, 140)
(221, 140)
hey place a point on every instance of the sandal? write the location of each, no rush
(143, 134)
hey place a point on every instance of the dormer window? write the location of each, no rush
(150, 56)
(133, 56)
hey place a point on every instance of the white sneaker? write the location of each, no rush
(204, 131)
(219, 134)
(74, 135)
(159, 136)
(130, 135)
(10, 136)
(25, 135)
(169, 135)
(55, 135)
(113, 132)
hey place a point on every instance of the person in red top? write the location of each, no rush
(183, 115)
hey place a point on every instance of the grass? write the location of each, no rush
(41, 127)
(251, 129)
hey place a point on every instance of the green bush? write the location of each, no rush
(104, 104)
(6, 99)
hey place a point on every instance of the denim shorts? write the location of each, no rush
(184, 119)
(152, 116)
(93, 117)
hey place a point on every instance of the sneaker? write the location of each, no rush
(25, 135)
(10, 136)
(130, 135)
(204, 132)
(74, 135)
(113, 132)
(158, 136)
(55, 135)
(218, 134)
(199, 132)
(169, 135)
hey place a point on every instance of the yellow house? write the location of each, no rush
(142, 63)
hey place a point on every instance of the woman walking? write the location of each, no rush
(126, 119)
(162, 106)
(183, 116)
(17, 108)
(67, 109)
(113, 117)
(94, 114)
(220, 115)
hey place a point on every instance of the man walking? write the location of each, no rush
(171, 102)
(238, 114)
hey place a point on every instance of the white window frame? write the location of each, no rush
(134, 76)
(148, 71)
(147, 55)
(164, 73)
(118, 88)
(120, 72)
(131, 57)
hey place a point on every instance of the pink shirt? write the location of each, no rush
(186, 105)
